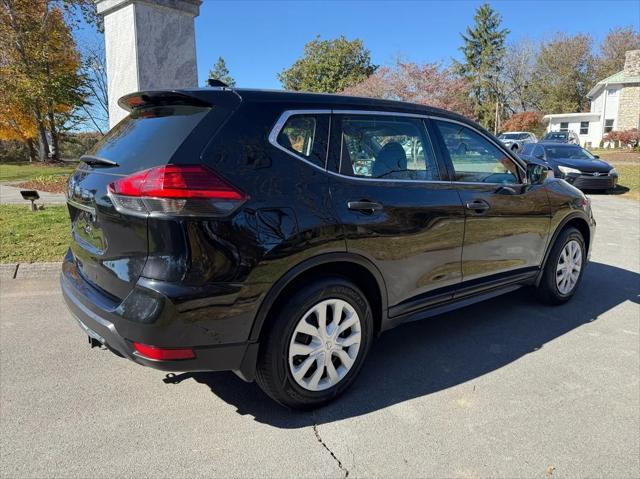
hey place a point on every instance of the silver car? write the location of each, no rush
(514, 140)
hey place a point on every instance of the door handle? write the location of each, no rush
(479, 206)
(365, 206)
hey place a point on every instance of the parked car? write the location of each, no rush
(275, 234)
(515, 140)
(574, 164)
(562, 137)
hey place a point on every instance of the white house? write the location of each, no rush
(615, 105)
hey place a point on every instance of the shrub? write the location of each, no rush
(13, 152)
(75, 144)
(629, 138)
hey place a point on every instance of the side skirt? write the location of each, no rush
(458, 302)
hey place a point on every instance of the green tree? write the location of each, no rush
(483, 50)
(329, 66)
(610, 59)
(564, 73)
(221, 72)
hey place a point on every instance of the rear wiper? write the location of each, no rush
(96, 160)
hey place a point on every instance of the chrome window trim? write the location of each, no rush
(284, 116)
(282, 120)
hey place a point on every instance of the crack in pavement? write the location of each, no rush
(324, 444)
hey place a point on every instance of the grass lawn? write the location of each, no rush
(629, 177)
(616, 155)
(27, 237)
(628, 165)
(28, 171)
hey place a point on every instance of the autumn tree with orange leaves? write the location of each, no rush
(426, 84)
(40, 81)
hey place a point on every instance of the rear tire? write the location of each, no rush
(564, 268)
(304, 361)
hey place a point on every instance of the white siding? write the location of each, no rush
(596, 103)
(611, 112)
(593, 136)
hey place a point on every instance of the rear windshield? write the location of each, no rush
(513, 136)
(149, 137)
(556, 136)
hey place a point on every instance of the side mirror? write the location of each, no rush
(537, 173)
(596, 156)
(540, 157)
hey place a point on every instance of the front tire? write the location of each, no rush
(564, 268)
(316, 344)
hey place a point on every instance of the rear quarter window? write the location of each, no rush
(306, 136)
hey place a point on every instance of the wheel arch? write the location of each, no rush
(575, 220)
(353, 267)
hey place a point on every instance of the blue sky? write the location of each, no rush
(258, 39)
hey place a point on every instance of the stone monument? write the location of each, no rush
(149, 44)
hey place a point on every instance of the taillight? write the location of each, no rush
(163, 354)
(186, 190)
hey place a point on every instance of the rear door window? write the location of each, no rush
(386, 147)
(306, 136)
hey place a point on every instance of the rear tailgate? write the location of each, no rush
(110, 249)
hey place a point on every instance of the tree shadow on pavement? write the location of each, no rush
(428, 356)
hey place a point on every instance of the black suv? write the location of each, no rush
(276, 234)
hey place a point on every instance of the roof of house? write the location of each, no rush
(586, 114)
(615, 79)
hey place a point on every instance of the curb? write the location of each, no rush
(30, 270)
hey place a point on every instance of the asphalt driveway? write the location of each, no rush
(507, 388)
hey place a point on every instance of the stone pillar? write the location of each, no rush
(629, 101)
(150, 45)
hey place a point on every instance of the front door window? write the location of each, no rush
(474, 158)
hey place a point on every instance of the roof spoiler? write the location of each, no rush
(139, 100)
(214, 82)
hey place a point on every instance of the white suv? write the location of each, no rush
(514, 140)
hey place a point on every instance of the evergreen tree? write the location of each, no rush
(483, 49)
(221, 72)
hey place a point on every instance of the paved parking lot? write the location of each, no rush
(506, 388)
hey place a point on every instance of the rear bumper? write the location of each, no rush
(105, 323)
